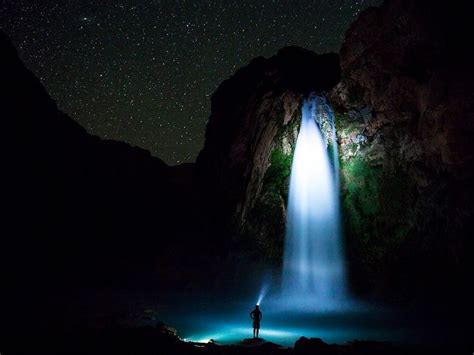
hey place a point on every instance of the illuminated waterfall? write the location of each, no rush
(313, 266)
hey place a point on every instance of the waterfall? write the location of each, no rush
(313, 265)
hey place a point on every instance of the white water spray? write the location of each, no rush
(313, 265)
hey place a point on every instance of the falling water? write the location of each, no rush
(313, 267)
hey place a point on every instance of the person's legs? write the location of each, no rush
(254, 330)
(257, 332)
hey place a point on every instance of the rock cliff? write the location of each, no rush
(405, 108)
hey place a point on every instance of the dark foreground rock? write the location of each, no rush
(260, 343)
(312, 346)
(80, 212)
(154, 340)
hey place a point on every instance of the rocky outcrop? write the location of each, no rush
(405, 110)
(250, 136)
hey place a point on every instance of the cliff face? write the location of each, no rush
(405, 108)
(245, 164)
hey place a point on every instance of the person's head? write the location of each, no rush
(257, 306)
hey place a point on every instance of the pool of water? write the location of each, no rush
(230, 323)
(286, 328)
(199, 318)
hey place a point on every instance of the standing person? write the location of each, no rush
(256, 315)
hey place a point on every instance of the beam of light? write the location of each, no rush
(262, 294)
(313, 265)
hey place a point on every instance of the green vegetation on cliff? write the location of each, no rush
(277, 176)
(265, 225)
(360, 199)
(377, 215)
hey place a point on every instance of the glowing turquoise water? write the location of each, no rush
(285, 331)
(225, 318)
(313, 265)
(230, 324)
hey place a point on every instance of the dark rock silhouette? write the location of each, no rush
(80, 212)
(152, 340)
(312, 346)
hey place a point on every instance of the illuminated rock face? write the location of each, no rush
(313, 268)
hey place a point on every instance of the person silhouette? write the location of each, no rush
(256, 316)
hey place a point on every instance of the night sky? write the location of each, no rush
(143, 71)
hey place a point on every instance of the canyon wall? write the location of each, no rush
(405, 109)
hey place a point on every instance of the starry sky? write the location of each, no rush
(144, 71)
